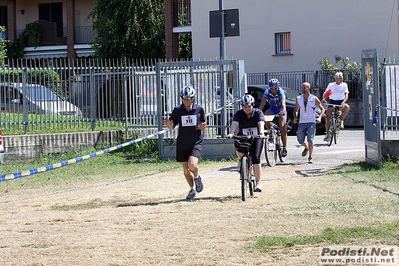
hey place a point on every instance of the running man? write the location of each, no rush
(191, 120)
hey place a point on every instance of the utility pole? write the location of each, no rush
(222, 36)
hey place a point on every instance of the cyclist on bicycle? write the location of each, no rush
(338, 93)
(276, 97)
(250, 121)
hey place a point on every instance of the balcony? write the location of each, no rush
(58, 36)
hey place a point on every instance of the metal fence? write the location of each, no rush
(64, 95)
(85, 94)
(389, 109)
(318, 80)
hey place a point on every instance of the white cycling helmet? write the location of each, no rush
(247, 100)
(187, 92)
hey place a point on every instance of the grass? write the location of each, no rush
(386, 179)
(129, 162)
(134, 160)
(384, 232)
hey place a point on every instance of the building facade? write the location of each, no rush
(293, 35)
(67, 30)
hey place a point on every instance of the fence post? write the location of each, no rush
(93, 108)
(24, 103)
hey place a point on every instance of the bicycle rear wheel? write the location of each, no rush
(270, 149)
(279, 148)
(244, 172)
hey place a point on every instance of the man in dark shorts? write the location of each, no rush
(191, 120)
(250, 121)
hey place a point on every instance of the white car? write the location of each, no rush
(39, 99)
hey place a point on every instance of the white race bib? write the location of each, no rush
(189, 120)
(253, 131)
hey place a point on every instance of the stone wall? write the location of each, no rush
(34, 146)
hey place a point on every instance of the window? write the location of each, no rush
(283, 43)
(3, 16)
(52, 12)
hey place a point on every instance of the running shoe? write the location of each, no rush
(326, 138)
(284, 152)
(310, 159)
(191, 194)
(305, 152)
(198, 184)
(258, 187)
(341, 123)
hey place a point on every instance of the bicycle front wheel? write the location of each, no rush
(244, 172)
(331, 131)
(270, 150)
(337, 128)
(251, 184)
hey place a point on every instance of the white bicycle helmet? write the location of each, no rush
(187, 92)
(247, 100)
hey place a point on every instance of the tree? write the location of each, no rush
(129, 28)
(3, 49)
(185, 46)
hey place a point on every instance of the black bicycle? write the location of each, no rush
(243, 144)
(334, 125)
(273, 142)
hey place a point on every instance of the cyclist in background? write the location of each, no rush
(337, 92)
(191, 120)
(276, 97)
(250, 121)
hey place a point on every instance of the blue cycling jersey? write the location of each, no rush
(274, 100)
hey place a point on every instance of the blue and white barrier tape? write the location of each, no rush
(6, 177)
(25, 173)
(387, 108)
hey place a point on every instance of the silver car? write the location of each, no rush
(39, 100)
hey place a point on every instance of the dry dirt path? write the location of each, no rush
(146, 221)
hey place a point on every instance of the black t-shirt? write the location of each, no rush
(247, 126)
(188, 121)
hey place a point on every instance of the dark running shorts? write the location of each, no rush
(183, 155)
(335, 102)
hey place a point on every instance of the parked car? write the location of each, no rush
(39, 100)
(290, 99)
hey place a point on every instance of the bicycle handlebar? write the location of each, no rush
(246, 137)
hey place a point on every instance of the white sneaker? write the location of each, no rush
(258, 187)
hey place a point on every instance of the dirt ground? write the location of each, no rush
(147, 221)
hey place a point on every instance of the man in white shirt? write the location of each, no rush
(337, 92)
(305, 108)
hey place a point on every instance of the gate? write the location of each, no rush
(371, 99)
(217, 83)
(381, 108)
